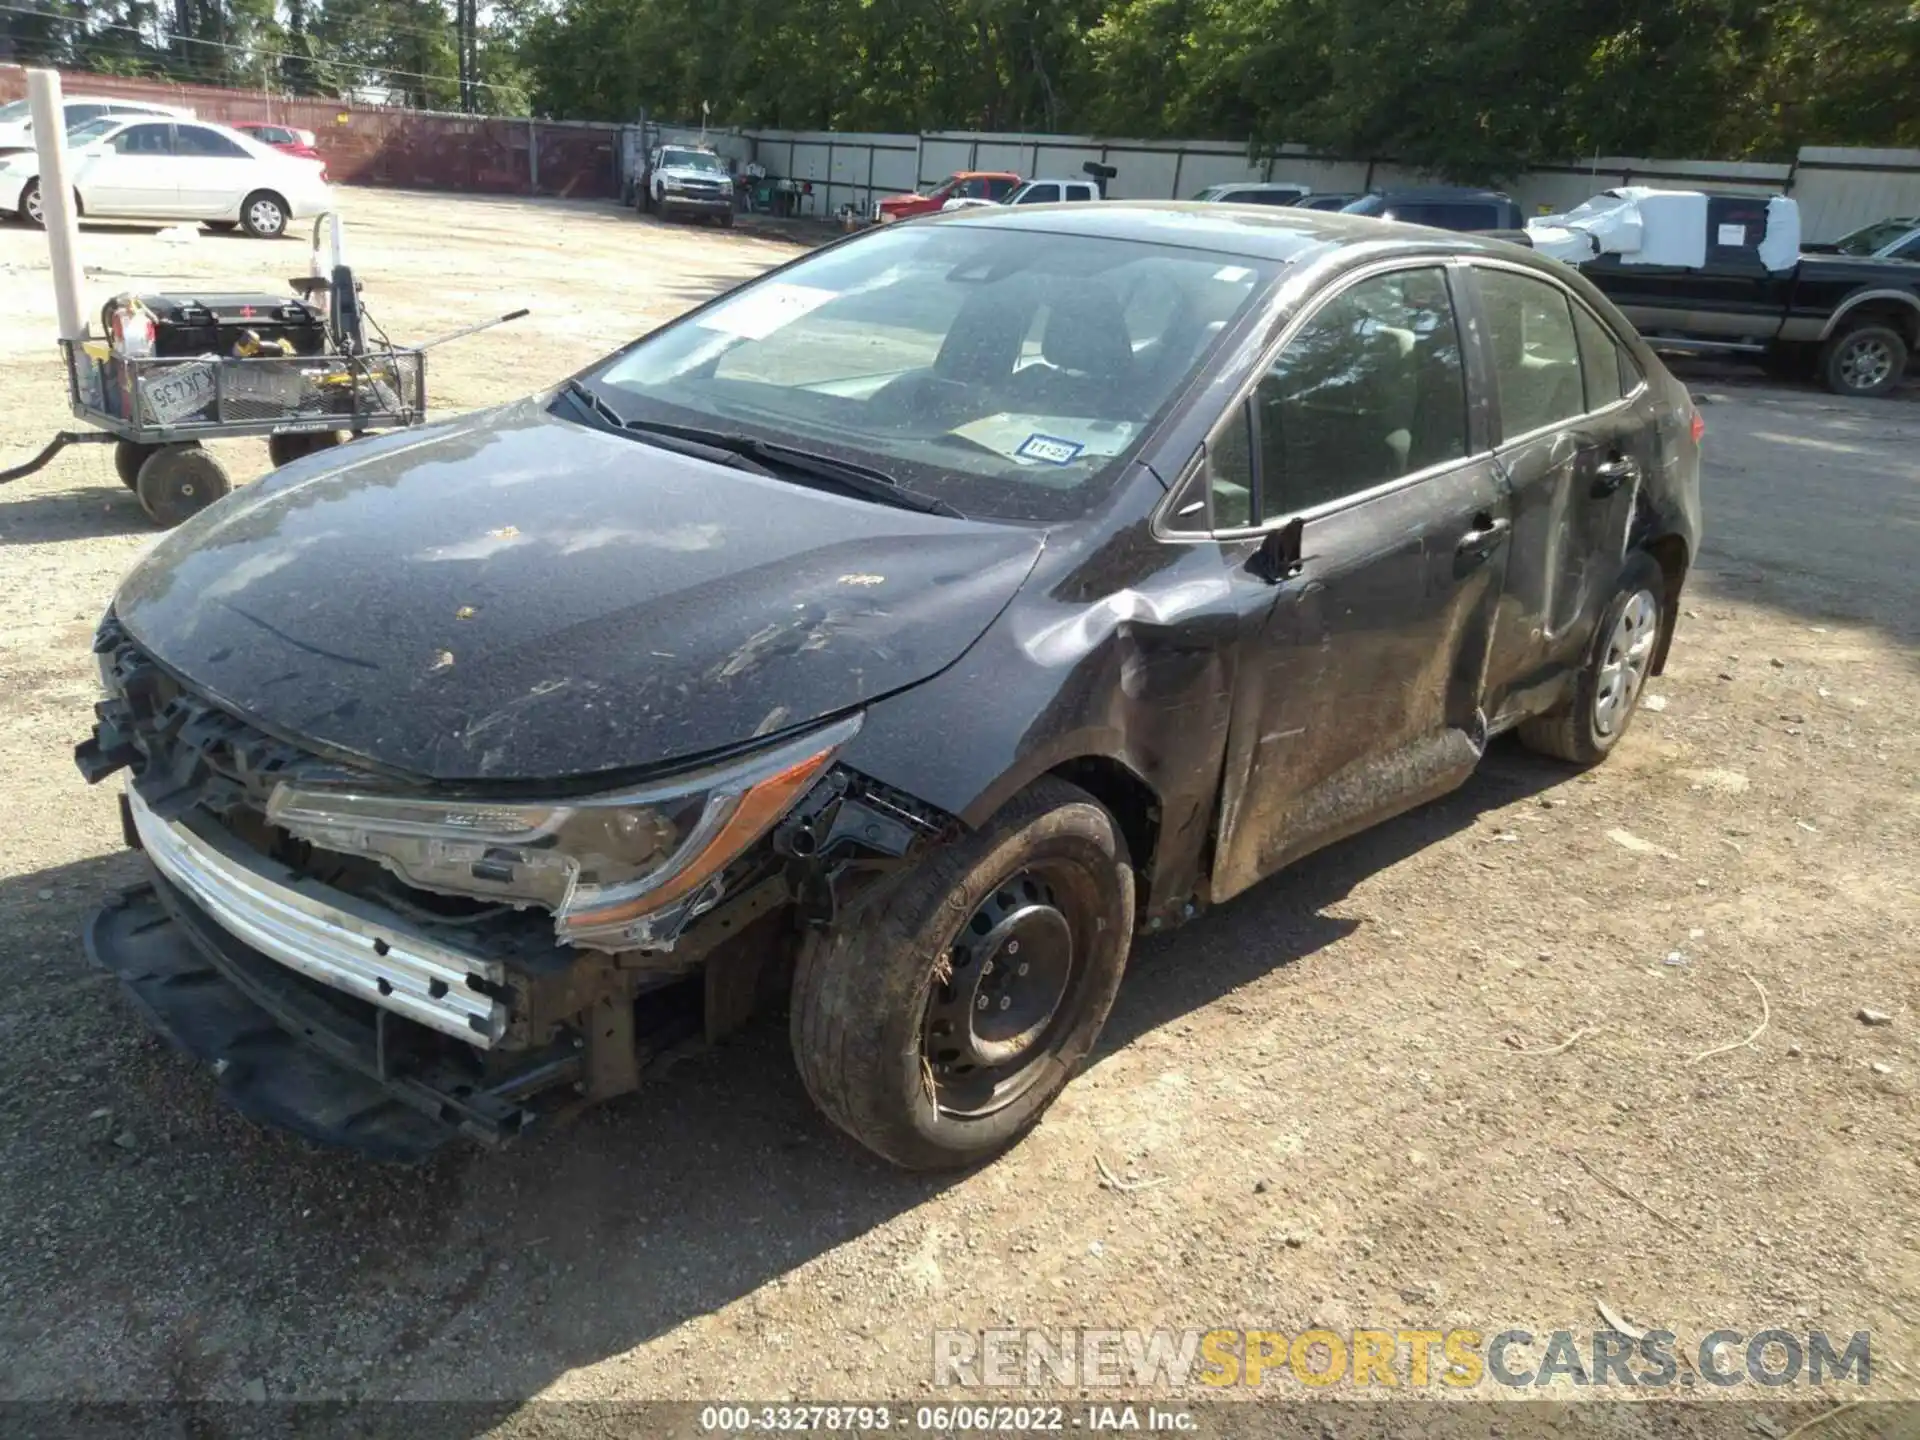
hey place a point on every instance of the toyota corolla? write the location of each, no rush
(890, 640)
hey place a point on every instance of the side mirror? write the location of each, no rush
(1279, 558)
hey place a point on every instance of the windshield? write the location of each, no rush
(692, 160)
(1875, 237)
(16, 110)
(1367, 205)
(1006, 372)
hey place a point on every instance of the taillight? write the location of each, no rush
(1699, 426)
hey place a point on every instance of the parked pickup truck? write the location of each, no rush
(1746, 287)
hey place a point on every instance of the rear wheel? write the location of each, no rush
(937, 1024)
(1619, 661)
(179, 481)
(264, 215)
(128, 457)
(283, 449)
(1868, 360)
(31, 209)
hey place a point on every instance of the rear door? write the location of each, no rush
(212, 172)
(1575, 433)
(1358, 463)
(132, 175)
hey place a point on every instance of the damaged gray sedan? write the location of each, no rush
(889, 640)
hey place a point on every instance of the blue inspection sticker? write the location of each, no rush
(1049, 449)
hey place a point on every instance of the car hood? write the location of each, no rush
(513, 596)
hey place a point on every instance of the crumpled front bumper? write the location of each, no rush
(292, 1045)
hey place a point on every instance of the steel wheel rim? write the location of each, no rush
(1003, 993)
(1623, 669)
(266, 215)
(1866, 363)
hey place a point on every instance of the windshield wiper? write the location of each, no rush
(770, 457)
(682, 440)
(764, 457)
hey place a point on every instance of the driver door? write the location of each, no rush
(1381, 529)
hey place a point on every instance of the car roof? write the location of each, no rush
(1442, 192)
(119, 100)
(984, 175)
(1055, 180)
(1260, 185)
(1261, 231)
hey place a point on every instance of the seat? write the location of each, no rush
(1086, 357)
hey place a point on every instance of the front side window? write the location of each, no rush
(1372, 387)
(1039, 195)
(80, 114)
(1536, 357)
(1009, 372)
(144, 140)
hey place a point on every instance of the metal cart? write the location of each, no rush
(156, 411)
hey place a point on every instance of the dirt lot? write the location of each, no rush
(1443, 1074)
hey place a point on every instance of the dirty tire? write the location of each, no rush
(1572, 732)
(263, 215)
(128, 457)
(862, 990)
(179, 481)
(1868, 360)
(285, 448)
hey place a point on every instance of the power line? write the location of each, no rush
(371, 68)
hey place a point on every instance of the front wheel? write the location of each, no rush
(937, 1023)
(1619, 660)
(1867, 361)
(31, 210)
(178, 481)
(263, 215)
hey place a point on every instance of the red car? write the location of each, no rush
(286, 139)
(962, 185)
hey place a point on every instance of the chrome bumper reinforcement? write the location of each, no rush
(325, 934)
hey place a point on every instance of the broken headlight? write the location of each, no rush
(616, 870)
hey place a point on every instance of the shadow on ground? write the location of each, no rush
(580, 1244)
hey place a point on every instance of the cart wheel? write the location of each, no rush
(128, 457)
(286, 447)
(178, 481)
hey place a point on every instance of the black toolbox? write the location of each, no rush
(211, 324)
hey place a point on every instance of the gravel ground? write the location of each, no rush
(1448, 1073)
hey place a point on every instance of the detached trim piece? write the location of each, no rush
(326, 935)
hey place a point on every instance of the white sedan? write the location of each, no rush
(151, 169)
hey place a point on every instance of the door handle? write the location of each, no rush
(1485, 533)
(1610, 475)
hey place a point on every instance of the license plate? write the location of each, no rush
(178, 393)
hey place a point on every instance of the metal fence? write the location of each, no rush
(381, 145)
(1838, 189)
